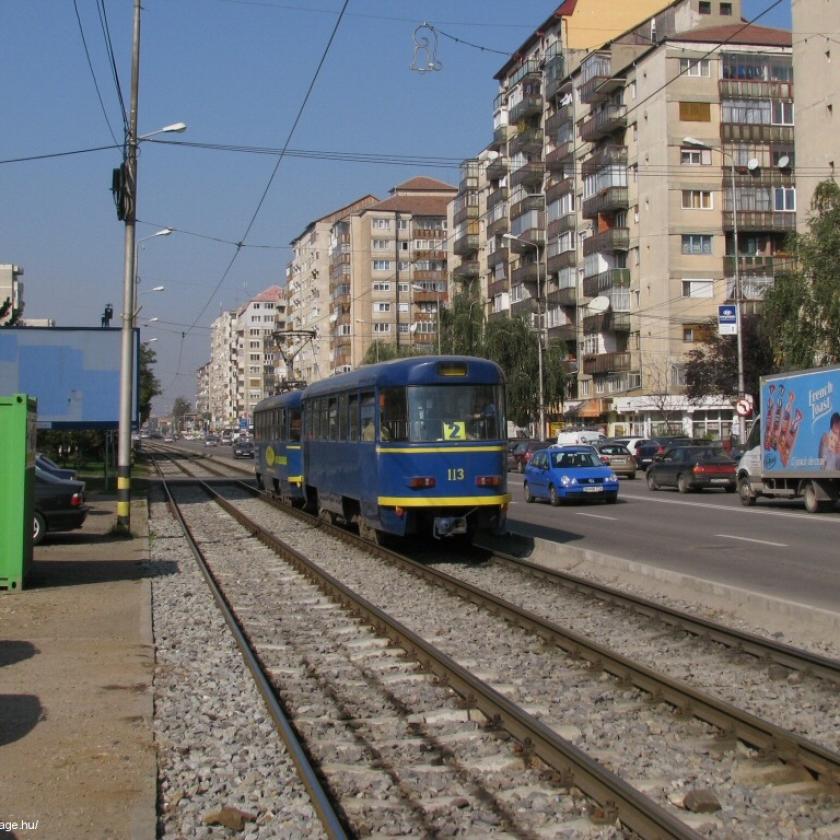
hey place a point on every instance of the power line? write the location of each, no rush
(109, 49)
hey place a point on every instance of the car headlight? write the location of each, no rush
(567, 480)
(612, 477)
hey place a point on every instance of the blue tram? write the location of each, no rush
(278, 425)
(410, 446)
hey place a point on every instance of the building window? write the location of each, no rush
(784, 199)
(695, 157)
(678, 375)
(381, 287)
(403, 307)
(695, 67)
(344, 329)
(380, 244)
(382, 328)
(705, 7)
(726, 9)
(688, 334)
(697, 200)
(782, 112)
(695, 112)
(696, 243)
(698, 288)
(380, 224)
(382, 265)
(381, 307)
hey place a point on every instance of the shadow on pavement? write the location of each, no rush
(48, 573)
(19, 715)
(15, 650)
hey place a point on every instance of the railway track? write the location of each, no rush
(772, 741)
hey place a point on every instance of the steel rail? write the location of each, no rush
(322, 804)
(618, 799)
(791, 657)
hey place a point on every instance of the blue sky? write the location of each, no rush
(237, 72)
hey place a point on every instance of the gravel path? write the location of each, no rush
(666, 756)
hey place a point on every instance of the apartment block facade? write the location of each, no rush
(388, 270)
(817, 96)
(11, 290)
(609, 211)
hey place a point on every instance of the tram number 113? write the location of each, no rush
(455, 474)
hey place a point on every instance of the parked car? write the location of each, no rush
(243, 448)
(632, 444)
(50, 466)
(524, 451)
(59, 505)
(618, 457)
(211, 440)
(569, 472)
(646, 452)
(579, 436)
(693, 468)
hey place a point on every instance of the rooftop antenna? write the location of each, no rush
(425, 49)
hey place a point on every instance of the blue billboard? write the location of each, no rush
(800, 423)
(74, 372)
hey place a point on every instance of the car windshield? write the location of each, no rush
(613, 450)
(575, 459)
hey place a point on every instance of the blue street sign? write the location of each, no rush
(727, 320)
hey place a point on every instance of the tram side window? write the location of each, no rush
(393, 422)
(280, 424)
(342, 417)
(294, 424)
(353, 418)
(333, 418)
(368, 412)
(323, 431)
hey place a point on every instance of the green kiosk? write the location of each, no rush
(17, 484)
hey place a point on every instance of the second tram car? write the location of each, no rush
(278, 424)
(410, 446)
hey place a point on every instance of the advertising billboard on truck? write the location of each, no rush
(800, 423)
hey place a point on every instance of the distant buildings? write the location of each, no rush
(11, 291)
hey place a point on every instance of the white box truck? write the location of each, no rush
(793, 449)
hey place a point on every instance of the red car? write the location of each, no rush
(524, 451)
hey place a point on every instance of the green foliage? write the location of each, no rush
(180, 408)
(712, 368)
(802, 310)
(384, 351)
(7, 309)
(149, 384)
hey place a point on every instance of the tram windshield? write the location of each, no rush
(424, 413)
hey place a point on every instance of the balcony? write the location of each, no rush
(556, 189)
(465, 211)
(613, 239)
(605, 122)
(526, 273)
(606, 363)
(559, 118)
(565, 332)
(559, 155)
(529, 69)
(608, 321)
(467, 270)
(428, 232)
(498, 226)
(497, 287)
(612, 278)
(606, 201)
(500, 255)
(429, 274)
(561, 225)
(501, 136)
(429, 254)
(530, 105)
(498, 168)
(566, 259)
(530, 174)
(555, 69)
(742, 89)
(753, 287)
(565, 296)
(600, 86)
(469, 176)
(611, 154)
(758, 265)
(498, 195)
(524, 307)
(755, 133)
(526, 204)
(760, 220)
(526, 240)
(529, 141)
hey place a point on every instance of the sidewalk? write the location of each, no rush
(76, 666)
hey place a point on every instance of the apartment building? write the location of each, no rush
(308, 294)
(609, 201)
(817, 97)
(388, 272)
(222, 378)
(202, 392)
(11, 291)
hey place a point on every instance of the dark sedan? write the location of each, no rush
(59, 505)
(243, 449)
(693, 468)
(647, 451)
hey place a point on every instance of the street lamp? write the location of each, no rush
(692, 141)
(539, 332)
(125, 183)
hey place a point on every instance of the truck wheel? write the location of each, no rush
(813, 504)
(745, 492)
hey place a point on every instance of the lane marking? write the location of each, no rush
(748, 539)
(825, 518)
(597, 516)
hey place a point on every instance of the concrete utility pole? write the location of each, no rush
(127, 355)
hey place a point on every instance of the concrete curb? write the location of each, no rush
(794, 619)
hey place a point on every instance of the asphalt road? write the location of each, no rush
(775, 547)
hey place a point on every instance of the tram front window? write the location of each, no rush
(455, 412)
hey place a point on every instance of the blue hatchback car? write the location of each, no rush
(569, 472)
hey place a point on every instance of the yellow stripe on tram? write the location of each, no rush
(295, 479)
(425, 450)
(442, 501)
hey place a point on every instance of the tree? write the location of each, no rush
(384, 351)
(180, 408)
(802, 310)
(712, 368)
(6, 308)
(149, 384)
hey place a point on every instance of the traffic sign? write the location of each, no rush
(743, 407)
